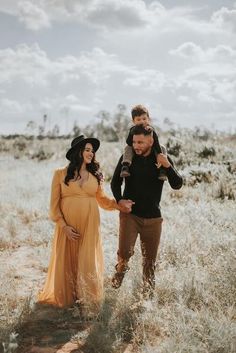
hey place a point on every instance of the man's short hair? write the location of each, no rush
(138, 110)
(141, 130)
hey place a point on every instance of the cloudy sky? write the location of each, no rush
(70, 59)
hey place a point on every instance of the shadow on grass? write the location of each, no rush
(47, 329)
(115, 327)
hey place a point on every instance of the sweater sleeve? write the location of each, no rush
(104, 201)
(117, 181)
(174, 178)
(56, 214)
(156, 146)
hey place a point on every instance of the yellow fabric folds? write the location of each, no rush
(76, 267)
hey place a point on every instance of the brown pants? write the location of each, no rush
(150, 233)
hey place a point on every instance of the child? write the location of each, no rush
(140, 115)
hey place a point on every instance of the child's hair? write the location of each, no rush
(138, 110)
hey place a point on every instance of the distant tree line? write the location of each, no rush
(108, 127)
(111, 127)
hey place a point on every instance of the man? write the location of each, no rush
(142, 195)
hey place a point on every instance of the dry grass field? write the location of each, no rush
(193, 310)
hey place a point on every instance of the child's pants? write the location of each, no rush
(129, 153)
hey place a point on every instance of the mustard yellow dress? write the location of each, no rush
(76, 268)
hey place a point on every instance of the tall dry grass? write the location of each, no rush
(193, 309)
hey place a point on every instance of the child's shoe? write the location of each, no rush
(125, 171)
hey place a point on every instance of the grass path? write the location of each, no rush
(52, 330)
(49, 330)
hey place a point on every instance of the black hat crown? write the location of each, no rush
(77, 140)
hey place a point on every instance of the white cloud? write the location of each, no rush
(73, 86)
(195, 52)
(74, 104)
(187, 50)
(29, 64)
(111, 15)
(225, 17)
(211, 71)
(9, 6)
(50, 85)
(33, 16)
(185, 99)
(227, 90)
(79, 108)
(103, 13)
(146, 79)
(180, 61)
(32, 65)
(115, 13)
(209, 74)
(71, 98)
(11, 106)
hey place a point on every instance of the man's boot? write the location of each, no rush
(118, 277)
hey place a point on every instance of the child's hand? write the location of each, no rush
(162, 160)
(148, 128)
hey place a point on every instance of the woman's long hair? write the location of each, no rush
(76, 161)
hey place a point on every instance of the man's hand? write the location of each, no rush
(163, 160)
(125, 205)
(71, 233)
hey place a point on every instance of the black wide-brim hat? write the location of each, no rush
(80, 141)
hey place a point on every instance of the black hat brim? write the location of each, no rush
(94, 142)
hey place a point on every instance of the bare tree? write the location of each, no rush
(121, 121)
(31, 127)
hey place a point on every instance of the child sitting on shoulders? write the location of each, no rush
(140, 116)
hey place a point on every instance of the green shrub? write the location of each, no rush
(207, 152)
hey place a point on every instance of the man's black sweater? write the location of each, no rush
(143, 186)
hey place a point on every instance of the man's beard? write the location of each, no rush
(143, 152)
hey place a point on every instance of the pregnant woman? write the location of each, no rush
(75, 272)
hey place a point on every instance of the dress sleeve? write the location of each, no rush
(104, 201)
(55, 210)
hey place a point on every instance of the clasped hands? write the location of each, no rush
(125, 205)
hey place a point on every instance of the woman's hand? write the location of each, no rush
(71, 233)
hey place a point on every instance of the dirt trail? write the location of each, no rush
(51, 330)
